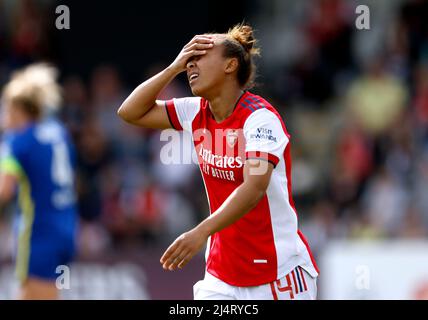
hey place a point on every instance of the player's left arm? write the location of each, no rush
(10, 171)
(9, 178)
(8, 184)
(257, 174)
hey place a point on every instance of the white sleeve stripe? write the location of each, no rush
(187, 109)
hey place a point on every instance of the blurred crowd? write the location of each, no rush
(359, 126)
(356, 103)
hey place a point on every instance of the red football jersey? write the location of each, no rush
(265, 244)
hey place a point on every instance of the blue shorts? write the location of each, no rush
(41, 256)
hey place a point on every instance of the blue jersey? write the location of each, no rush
(41, 156)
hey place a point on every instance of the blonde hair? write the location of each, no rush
(35, 89)
(241, 44)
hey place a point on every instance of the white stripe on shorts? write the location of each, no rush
(260, 261)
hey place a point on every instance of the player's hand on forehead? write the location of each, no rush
(198, 46)
(202, 39)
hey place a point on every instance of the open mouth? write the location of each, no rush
(193, 77)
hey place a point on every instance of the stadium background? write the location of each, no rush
(355, 102)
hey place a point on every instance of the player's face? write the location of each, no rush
(206, 73)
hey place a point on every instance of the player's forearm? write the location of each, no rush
(6, 193)
(139, 102)
(240, 202)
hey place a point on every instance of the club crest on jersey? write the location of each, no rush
(232, 137)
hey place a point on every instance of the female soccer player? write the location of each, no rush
(36, 156)
(254, 249)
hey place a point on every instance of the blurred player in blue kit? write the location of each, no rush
(37, 168)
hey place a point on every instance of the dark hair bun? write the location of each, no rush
(244, 35)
